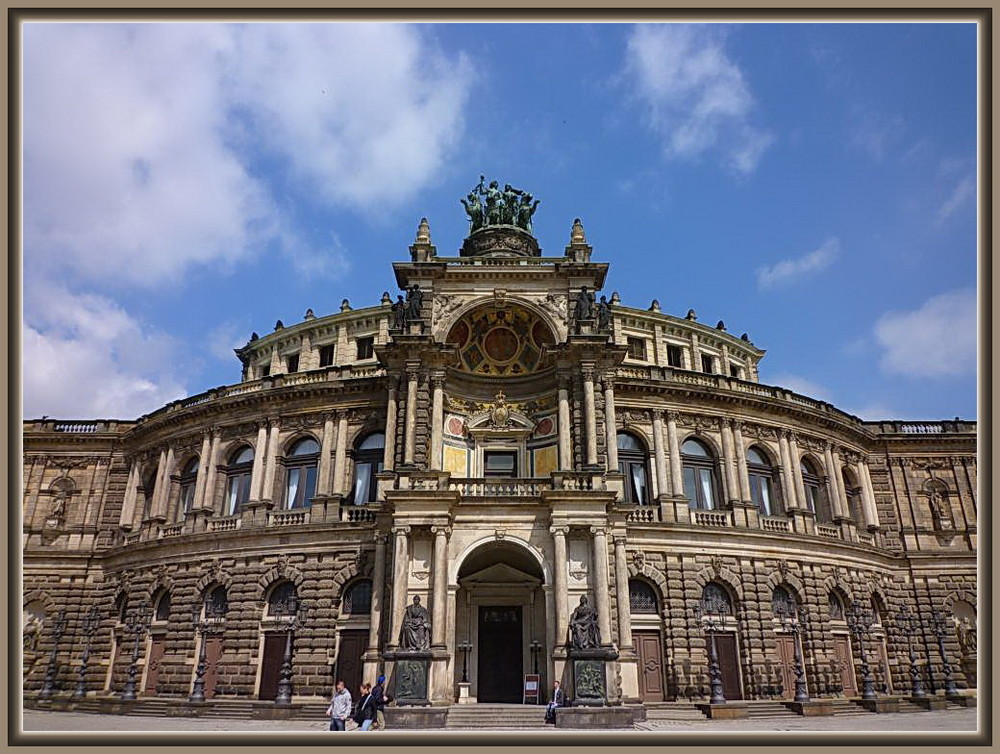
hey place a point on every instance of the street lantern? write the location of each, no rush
(940, 628)
(465, 647)
(794, 621)
(536, 647)
(136, 623)
(909, 625)
(290, 608)
(711, 612)
(48, 686)
(90, 623)
(859, 621)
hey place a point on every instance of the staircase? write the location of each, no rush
(673, 712)
(768, 710)
(847, 708)
(496, 717)
(150, 707)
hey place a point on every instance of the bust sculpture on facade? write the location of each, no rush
(415, 631)
(583, 630)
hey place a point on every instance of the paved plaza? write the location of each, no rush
(963, 720)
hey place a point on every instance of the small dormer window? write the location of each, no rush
(675, 357)
(637, 349)
(265, 370)
(706, 364)
(293, 363)
(366, 347)
(326, 355)
(735, 371)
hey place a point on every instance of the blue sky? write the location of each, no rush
(811, 184)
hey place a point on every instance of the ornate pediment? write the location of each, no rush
(500, 574)
(498, 418)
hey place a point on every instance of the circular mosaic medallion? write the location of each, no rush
(501, 344)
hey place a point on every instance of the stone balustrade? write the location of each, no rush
(498, 487)
(711, 518)
(287, 518)
(826, 530)
(229, 523)
(775, 523)
(171, 530)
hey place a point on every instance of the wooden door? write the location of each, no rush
(157, 646)
(500, 654)
(650, 652)
(729, 664)
(842, 653)
(270, 668)
(786, 663)
(350, 665)
(213, 652)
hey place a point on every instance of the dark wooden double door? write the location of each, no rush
(501, 654)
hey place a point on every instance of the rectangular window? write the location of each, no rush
(735, 371)
(675, 356)
(366, 347)
(706, 364)
(265, 371)
(500, 463)
(637, 348)
(326, 355)
(293, 363)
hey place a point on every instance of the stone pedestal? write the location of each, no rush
(675, 509)
(744, 514)
(411, 677)
(196, 520)
(590, 675)
(255, 513)
(463, 694)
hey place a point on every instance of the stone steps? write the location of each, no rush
(847, 708)
(495, 717)
(679, 711)
(768, 711)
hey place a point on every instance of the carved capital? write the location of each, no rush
(559, 531)
(673, 416)
(441, 531)
(619, 540)
(400, 531)
(598, 531)
(587, 372)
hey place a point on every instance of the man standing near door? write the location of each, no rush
(340, 707)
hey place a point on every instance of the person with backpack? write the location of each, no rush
(380, 698)
(365, 713)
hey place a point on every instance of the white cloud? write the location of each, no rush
(873, 411)
(695, 97)
(226, 336)
(936, 340)
(802, 386)
(790, 270)
(963, 191)
(874, 132)
(143, 143)
(84, 356)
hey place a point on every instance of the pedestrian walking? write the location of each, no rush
(365, 713)
(340, 707)
(380, 698)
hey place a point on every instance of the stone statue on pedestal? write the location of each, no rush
(583, 630)
(415, 631)
(584, 304)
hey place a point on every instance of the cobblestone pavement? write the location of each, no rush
(945, 720)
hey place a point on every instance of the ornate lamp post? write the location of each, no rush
(909, 624)
(859, 622)
(90, 623)
(198, 690)
(291, 609)
(536, 647)
(940, 628)
(48, 686)
(711, 613)
(794, 622)
(465, 647)
(136, 624)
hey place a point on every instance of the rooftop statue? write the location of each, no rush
(488, 204)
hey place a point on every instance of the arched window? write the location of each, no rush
(217, 603)
(761, 475)
(878, 610)
(121, 603)
(700, 484)
(642, 597)
(368, 457)
(782, 602)
(836, 607)
(716, 600)
(632, 464)
(283, 600)
(852, 490)
(815, 494)
(358, 598)
(187, 480)
(238, 473)
(300, 467)
(161, 612)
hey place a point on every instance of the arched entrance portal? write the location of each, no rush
(501, 613)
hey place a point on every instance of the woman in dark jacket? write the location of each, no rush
(365, 712)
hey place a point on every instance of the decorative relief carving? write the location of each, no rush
(556, 305)
(443, 305)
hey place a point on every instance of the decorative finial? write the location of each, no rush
(279, 325)
(254, 336)
(345, 306)
(691, 315)
(745, 337)
(423, 232)
(655, 306)
(309, 314)
(576, 235)
(615, 298)
(721, 326)
(386, 299)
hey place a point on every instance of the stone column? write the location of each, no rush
(208, 500)
(559, 582)
(411, 416)
(323, 468)
(392, 407)
(741, 462)
(833, 482)
(204, 463)
(400, 579)
(674, 448)
(868, 495)
(259, 454)
(621, 593)
(601, 582)
(163, 483)
(800, 487)
(437, 420)
(340, 455)
(788, 496)
(658, 455)
(378, 582)
(589, 414)
(125, 520)
(271, 462)
(610, 422)
(729, 461)
(565, 448)
(440, 593)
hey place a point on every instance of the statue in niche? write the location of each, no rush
(584, 632)
(940, 510)
(399, 313)
(415, 631)
(584, 304)
(603, 315)
(414, 303)
(967, 641)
